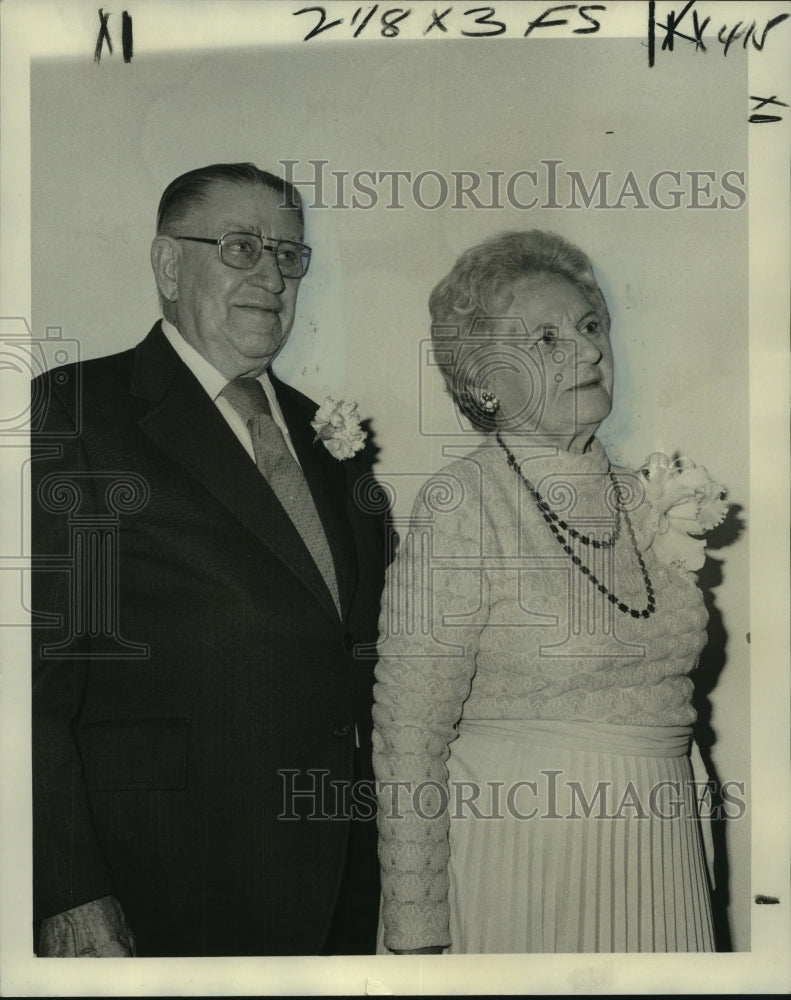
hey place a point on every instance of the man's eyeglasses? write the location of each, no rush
(244, 250)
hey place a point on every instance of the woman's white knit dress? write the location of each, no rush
(531, 740)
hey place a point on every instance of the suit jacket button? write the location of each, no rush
(348, 641)
(341, 729)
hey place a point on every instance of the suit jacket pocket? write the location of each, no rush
(135, 754)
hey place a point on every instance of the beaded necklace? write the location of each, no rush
(556, 524)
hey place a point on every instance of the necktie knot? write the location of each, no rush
(247, 397)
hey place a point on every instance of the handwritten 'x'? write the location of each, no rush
(103, 34)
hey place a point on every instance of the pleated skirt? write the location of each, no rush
(575, 837)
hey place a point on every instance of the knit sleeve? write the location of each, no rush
(434, 607)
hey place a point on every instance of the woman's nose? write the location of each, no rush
(587, 348)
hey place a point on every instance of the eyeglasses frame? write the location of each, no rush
(267, 243)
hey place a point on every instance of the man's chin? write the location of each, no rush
(263, 334)
(263, 350)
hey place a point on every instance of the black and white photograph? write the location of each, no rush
(395, 535)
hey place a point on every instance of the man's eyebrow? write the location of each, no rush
(241, 227)
(237, 227)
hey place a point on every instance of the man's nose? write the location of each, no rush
(267, 273)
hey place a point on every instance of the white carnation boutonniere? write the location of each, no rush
(682, 503)
(338, 426)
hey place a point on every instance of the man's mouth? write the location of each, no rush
(275, 309)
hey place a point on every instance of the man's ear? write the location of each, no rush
(164, 261)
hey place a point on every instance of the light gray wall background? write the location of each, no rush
(106, 140)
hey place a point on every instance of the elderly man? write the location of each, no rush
(207, 584)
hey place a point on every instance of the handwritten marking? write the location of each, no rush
(766, 899)
(488, 12)
(126, 37)
(758, 119)
(438, 21)
(104, 36)
(368, 17)
(322, 25)
(726, 35)
(477, 22)
(540, 21)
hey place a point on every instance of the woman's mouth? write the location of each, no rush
(589, 383)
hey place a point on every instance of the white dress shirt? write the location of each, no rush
(214, 382)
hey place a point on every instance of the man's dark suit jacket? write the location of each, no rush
(199, 674)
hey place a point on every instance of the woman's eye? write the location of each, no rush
(592, 327)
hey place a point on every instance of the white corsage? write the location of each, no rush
(682, 503)
(338, 426)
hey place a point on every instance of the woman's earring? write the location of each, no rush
(489, 403)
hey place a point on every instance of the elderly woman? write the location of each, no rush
(539, 627)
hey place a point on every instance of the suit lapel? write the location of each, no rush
(326, 478)
(186, 425)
